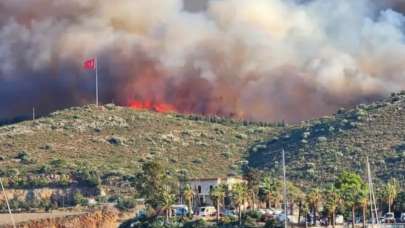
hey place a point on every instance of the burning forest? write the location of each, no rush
(260, 60)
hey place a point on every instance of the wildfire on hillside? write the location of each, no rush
(152, 105)
(198, 58)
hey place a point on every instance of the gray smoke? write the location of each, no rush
(259, 59)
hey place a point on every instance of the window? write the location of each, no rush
(199, 188)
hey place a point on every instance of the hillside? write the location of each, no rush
(114, 139)
(316, 150)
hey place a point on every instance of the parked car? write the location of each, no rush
(180, 210)
(281, 217)
(267, 214)
(206, 211)
(402, 218)
(277, 211)
(389, 218)
(324, 221)
(381, 219)
(339, 220)
(228, 213)
(264, 211)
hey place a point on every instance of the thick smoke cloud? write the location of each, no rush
(262, 59)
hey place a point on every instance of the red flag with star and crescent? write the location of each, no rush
(89, 64)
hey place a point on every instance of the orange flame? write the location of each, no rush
(152, 105)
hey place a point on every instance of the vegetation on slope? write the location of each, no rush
(86, 143)
(116, 141)
(317, 151)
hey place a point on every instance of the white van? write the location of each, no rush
(206, 211)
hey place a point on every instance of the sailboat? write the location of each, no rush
(372, 201)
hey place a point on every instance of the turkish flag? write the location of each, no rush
(89, 64)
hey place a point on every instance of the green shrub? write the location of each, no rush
(79, 199)
(45, 169)
(126, 203)
(272, 224)
(88, 177)
(254, 214)
(250, 222)
(201, 223)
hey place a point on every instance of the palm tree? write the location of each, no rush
(314, 199)
(333, 201)
(271, 188)
(253, 178)
(295, 196)
(167, 200)
(239, 196)
(302, 205)
(188, 195)
(217, 195)
(391, 191)
(363, 202)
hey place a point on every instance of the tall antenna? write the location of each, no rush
(8, 205)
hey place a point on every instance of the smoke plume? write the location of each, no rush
(261, 59)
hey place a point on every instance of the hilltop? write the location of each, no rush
(319, 149)
(113, 139)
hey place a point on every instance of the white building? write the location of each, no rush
(203, 186)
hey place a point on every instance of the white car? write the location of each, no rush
(206, 211)
(277, 211)
(339, 220)
(264, 211)
(402, 218)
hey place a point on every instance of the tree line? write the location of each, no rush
(347, 195)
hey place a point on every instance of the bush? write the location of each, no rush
(78, 198)
(250, 222)
(228, 220)
(101, 199)
(88, 177)
(45, 169)
(254, 214)
(272, 224)
(126, 203)
(23, 156)
(201, 223)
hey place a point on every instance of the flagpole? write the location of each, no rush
(96, 81)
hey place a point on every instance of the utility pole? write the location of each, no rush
(285, 192)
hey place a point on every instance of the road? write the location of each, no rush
(24, 217)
